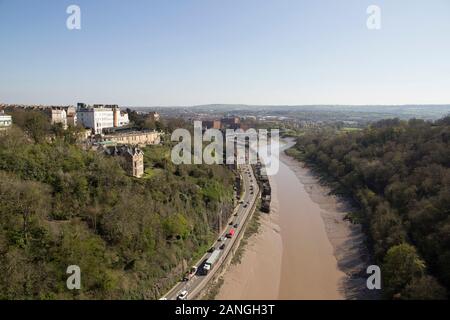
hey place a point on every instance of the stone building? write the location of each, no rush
(57, 115)
(71, 114)
(139, 138)
(133, 159)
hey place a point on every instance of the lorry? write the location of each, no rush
(209, 264)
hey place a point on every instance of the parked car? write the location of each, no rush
(236, 225)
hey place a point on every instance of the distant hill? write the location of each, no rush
(342, 112)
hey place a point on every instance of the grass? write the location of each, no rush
(349, 129)
(151, 172)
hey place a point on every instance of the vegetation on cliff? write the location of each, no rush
(61, 205)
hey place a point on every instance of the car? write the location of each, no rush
(245, 205)
(188, 275)
(252, 192)
(193, 270)
(222, 246)
(211, 249)
(236, 225)
(221, 239)
(236, 214)
(183, 295)
(241, 201)
(231, 223)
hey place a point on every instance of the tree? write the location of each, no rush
(401, 265)
(35, 123)
(24, 198)
(424, 288)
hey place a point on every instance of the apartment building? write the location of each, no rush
(57, 116)
(5, 121)
(96, 117)
(99, 117)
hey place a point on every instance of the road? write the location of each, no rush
(240, 215)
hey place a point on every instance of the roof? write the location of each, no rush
(123, 150)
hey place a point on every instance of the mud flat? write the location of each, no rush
(258, 274)
(304, 248)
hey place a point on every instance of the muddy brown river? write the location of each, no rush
(304, 248)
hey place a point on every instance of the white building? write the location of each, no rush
(5, 120)
(99, 117)
(58, 115)
(120, 118)
(96, 118)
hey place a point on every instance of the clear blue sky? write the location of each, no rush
(186, 52)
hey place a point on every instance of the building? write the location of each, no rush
(57, 116)
(120, 118)
(231, 123)
(5, 121)
(153, 116)
(225, 123)
(71, 115)
(212, 124)
(133, 156)
(96, 118)
(99, 117)
(139, 138)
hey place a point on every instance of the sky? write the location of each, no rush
(192, 52)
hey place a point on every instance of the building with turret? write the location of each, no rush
(133, 159)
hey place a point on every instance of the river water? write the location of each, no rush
(304, 248)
